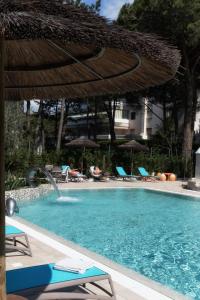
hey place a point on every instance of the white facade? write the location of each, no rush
(140, 121)
(143, 121)
(197, 123)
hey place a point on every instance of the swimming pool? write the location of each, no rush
(156, 234)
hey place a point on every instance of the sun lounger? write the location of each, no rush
(146, 176)
(14, 243)
(57, 174)
(45, 282)
(97, 177)
(92, 173)
(70, 175)
(121, 173)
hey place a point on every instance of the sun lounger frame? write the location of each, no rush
(125, 176)
(51, 290)
(145, 176)
(22, 247)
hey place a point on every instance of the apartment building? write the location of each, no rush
(131, 121)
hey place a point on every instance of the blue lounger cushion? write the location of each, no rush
(64, 168)
(122, 172)
(43, 275)
(12, 230)
(143, 172)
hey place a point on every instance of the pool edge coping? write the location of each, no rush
(135, 187)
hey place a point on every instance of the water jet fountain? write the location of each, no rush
(33, 182)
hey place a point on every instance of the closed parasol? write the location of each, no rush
(134, 147)
(82, 143)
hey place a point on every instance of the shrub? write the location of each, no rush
(13, 183)
(18, 163)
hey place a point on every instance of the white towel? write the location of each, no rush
(74, 265)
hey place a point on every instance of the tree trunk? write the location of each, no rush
(188, 122)
(56, 122)
(164, 115)
(43, 137)
(28, 122)
(111, 118)
(67, 106)
(175, 116)
(189, 115)
(39, 131)
(42, 132)
(87, 119)
(95, 119)
(60, 129)
(2, 187)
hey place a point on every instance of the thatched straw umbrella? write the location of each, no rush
(51, 49)
(58, 50)
(134, 147)
(82, 143)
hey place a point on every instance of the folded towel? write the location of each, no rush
(74, 265)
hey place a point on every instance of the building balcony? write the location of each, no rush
(122, 123)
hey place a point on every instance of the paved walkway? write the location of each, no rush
(46, 253)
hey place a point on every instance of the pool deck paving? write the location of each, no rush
(47, 247)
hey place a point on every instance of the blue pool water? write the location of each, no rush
(156, 234)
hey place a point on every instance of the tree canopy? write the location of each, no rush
(178, 22)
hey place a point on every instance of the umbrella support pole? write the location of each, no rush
(2, 187)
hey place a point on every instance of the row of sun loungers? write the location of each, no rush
(47, 282)
(144, 175)
(64, 174)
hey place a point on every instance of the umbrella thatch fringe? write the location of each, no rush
(75, 82)
(135, 146)
(82, 142)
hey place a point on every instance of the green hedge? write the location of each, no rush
(18, 164)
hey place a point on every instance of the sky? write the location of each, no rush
(110, 8)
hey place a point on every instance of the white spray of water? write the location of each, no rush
(67, 199)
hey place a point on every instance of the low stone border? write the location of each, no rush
(28, 193)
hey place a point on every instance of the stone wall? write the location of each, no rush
(27, 194)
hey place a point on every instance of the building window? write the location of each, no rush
(133, 115)
(125, 114)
